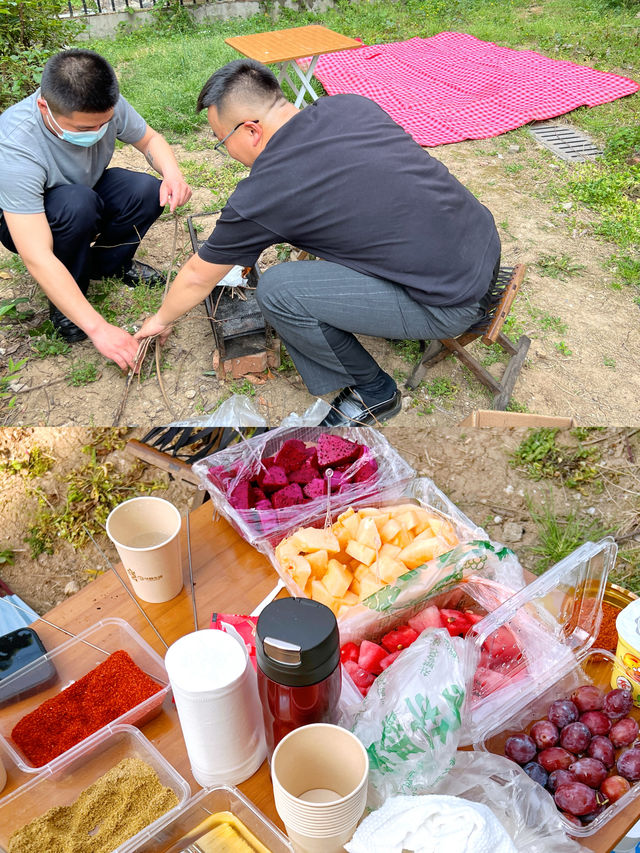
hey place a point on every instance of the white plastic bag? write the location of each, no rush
(410, 721)
(524, 808)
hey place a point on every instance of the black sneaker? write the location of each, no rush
(139, 273)
(349, 409)
(65, 328)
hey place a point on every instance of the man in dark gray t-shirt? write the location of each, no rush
(67, 215)
(407, 251)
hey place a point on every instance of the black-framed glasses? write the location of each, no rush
(224, 139)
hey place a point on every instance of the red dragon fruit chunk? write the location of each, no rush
(316, 488)
(291, 455)
(334, 450)
(289, 496)
(275, 478)
(240, 497)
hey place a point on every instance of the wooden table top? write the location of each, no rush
(230, 577)
(294, 43)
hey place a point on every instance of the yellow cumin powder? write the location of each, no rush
(119, 804)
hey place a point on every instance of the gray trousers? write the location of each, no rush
(317, 308)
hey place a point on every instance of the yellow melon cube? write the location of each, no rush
(403, 538)
(320, 593)
(300, 571)
(355, 588)
(318, 561)
(380, 520)
(408, 519)
(389, 550)
(360, 570)
(313, 539)
(390, 530)
(441, 527)
(360, 552)
(421, 551)
(351, 524)
(369, 511)
(350, 598)
(337, 579)
(388, 568)
(368, 585)
(368, 534)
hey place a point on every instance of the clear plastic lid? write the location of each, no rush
(539, 634)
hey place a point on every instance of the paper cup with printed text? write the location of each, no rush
(145, 531)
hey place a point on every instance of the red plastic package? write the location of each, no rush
(244, 626)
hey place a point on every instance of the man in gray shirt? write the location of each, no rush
(68, 216)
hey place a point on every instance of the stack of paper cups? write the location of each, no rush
(319, 774)
(215, 691)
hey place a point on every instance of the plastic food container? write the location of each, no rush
(64, 780)
(255, 526)
(71, 661)
(222, 807)
(562, 601)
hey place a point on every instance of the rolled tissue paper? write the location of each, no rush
(431, 824)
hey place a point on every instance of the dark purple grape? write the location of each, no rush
(536, 772)
(556, 758)
(589, 818)
(575, 737)
(576, 798)
(520, 748)
(597, 722)
(572, 818)
(588, 698)
(589, 771)
(558, 778)
(617, 703)
(628, 764)
(545, 734)
(624, 732)
(562, 712)
(614, 787)
(602, 749)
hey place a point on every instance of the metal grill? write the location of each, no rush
(98, 7)
(565, 142)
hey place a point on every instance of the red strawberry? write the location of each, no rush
(333, 450)
(455, 622)
(399, 638)
(370, 657)
(349, 652)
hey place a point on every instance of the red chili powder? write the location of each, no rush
(107, 691)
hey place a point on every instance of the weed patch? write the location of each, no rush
(541, 457)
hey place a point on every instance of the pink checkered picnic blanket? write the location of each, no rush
(453, 86)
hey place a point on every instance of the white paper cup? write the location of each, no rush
(319, 774)
(216, 693)
(145, 532)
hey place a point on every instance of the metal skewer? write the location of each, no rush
(128, 591)
(193, 590)
(52, 625)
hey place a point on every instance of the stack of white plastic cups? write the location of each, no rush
(319, 774)
(216, 695)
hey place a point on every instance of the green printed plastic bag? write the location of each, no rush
(410, 721)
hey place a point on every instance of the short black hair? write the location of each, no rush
(240, 78)
(79, 81)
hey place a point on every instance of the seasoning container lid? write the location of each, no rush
(297, 642)
(628, 624)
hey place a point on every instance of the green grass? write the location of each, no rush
(124, 306)
(46, 342)
(409, 350)
(82, 373)
(559, 536)
(541, 457)
(558, 266)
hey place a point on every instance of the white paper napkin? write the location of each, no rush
(431, 824)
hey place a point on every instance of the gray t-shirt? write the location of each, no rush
(342, 180)
(33, 159)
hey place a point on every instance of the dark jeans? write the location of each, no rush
(116, 214)
(317, 308)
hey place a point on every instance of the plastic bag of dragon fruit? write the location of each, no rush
(270, 484)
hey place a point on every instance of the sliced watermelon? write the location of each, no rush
(429, 618)
(349, 652)
(360, 677)
(455, 622)
(385, 662)
(502, 646)
(371, 655)
(399, 638)
(485, 681)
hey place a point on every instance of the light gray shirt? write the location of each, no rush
(33, 159)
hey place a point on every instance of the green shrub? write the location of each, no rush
(30, 32)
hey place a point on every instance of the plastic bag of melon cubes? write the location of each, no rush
(410, 721)
(273, 482)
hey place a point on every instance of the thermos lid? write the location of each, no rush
(297, 641)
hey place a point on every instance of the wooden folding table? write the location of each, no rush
(230, 577)
(283, 47)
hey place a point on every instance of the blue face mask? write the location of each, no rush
(84, 138)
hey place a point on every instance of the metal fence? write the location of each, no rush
(98, 7)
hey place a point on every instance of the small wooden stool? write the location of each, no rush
(489, 329)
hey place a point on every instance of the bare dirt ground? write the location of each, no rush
(472, 467)
(583, 362)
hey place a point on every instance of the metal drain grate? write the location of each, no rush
(565, 142)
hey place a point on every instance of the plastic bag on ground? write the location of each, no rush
(410, 721)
